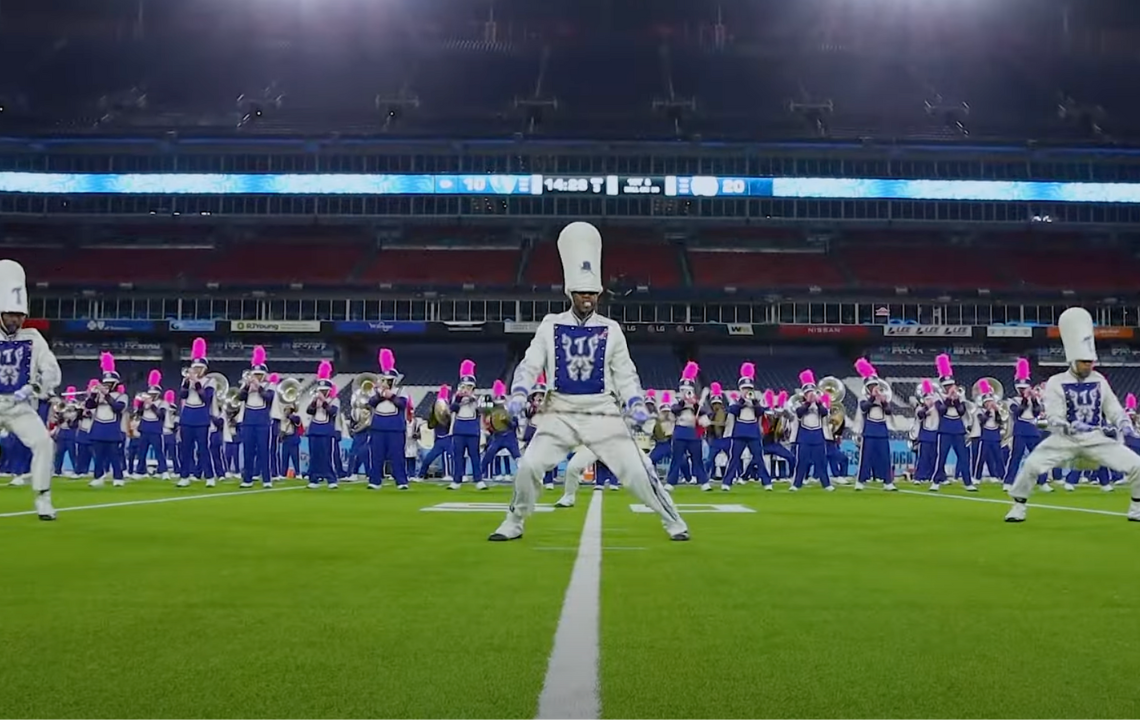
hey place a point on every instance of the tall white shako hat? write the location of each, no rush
(13, 288)
(580, 246)
(1076, 326)
(1021, 379)
(747, 379)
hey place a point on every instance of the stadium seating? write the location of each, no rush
(629, 258)
(277, 263)
(744, 269)
(485, 268)
(883, 266)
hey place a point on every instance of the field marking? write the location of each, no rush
(1090, 511)
(155, 501)
(570, 689)
(567, 548)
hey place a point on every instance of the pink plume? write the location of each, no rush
(650, 394)
(121, 389)
(499, 388)
(467, 367)
(769, 397)
(1022, 371)
(92, 383)
(666, 398)
(864, 367)
(748, 370)
(1130, 401)
(70, 390)
(387, 360)
(927, 387)
(155, 378)
(169, 397)
(444, 392)
(273, 378)
(985, 387)
(690, 371)
(942, 362)
(716, 389)
(807, 377)
(826, 400)
(107, 362)
(324, 370)
(782, 398)
(334, 390)
(258, 355)
(734, 396)
(138, 402)
(541, 379)
(198, 349)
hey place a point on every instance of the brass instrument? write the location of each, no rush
(289, 390)
(719, 420)
(995, 385)
(361, 418)
(440, 415)
(794, 402)
(500, 418)
(886, 392)
(836, 417)
(659, 432)
(833, 388)
(363, 386)
(140, 399)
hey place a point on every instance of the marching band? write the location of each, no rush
(210, 429)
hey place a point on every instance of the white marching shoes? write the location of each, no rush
(44, 509)
(1134, 511)
(566, 501)
(1016, 513)
(1043, 487)
(184, 482)
(890, 487)
(453, 486)
(480, 485)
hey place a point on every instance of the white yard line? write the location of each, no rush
(1007, 503)
(571, 687)
(155, 501)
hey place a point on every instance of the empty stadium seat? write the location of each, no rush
(918, 266)
(488, 268)
(269, 262)
(745, 269)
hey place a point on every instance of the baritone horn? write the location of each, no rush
(363, 386)
(833, 388)
(289, 390)
(995, 385)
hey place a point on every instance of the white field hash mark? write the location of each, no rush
(155, 501)
(571, 687)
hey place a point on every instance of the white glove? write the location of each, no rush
(1081, 427)
(1127, 429)
(638, 413)
(24, 394)
(516, 405)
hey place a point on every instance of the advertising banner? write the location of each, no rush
(80, 326)
(121, 349)
(276, 326)
(959, 331)
(196, 326)
(383, 327)
(838, 332)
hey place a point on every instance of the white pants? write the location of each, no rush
(23, 422)
(575, 469)
(606, 438)
(1057, 450)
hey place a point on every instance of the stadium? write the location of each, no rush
(248, 229)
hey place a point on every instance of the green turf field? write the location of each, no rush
(299, 603)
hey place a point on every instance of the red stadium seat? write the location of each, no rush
(280, 263)
(491, 268)
(917, 266)
(630, 259)
(748, 269)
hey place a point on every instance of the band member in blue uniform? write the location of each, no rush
(83, 433)
(747, 413)
(1132, 440)
(388, 425)
(686, 443)
(811, 435)
(663, 427)
(197, 402)
(952, 419)
(774, 431)
(152, 415)
(276, 467)
(439, 422)
(837, 420)
(873, 419)
(170, 433)
(321, 430)
(67, 421)
(1025, 410)
(465, 429)
(231, 436)
(716, 433)
(991, 419)
(107, 406)
(504, 429)
(256, 400)
(289, 441)
(926, 421)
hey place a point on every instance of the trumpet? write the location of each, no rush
(886, 392)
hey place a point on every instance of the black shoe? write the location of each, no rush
(1014, 520)
(46, 518)
(1131, 519)
(499, 537)
(680, 537)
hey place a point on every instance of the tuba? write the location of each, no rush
(440, 415)
(221, 390)
(794, 402)
(500, 418)
(833, 388)
(289, 390)
(362, 388)
(995, 384)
